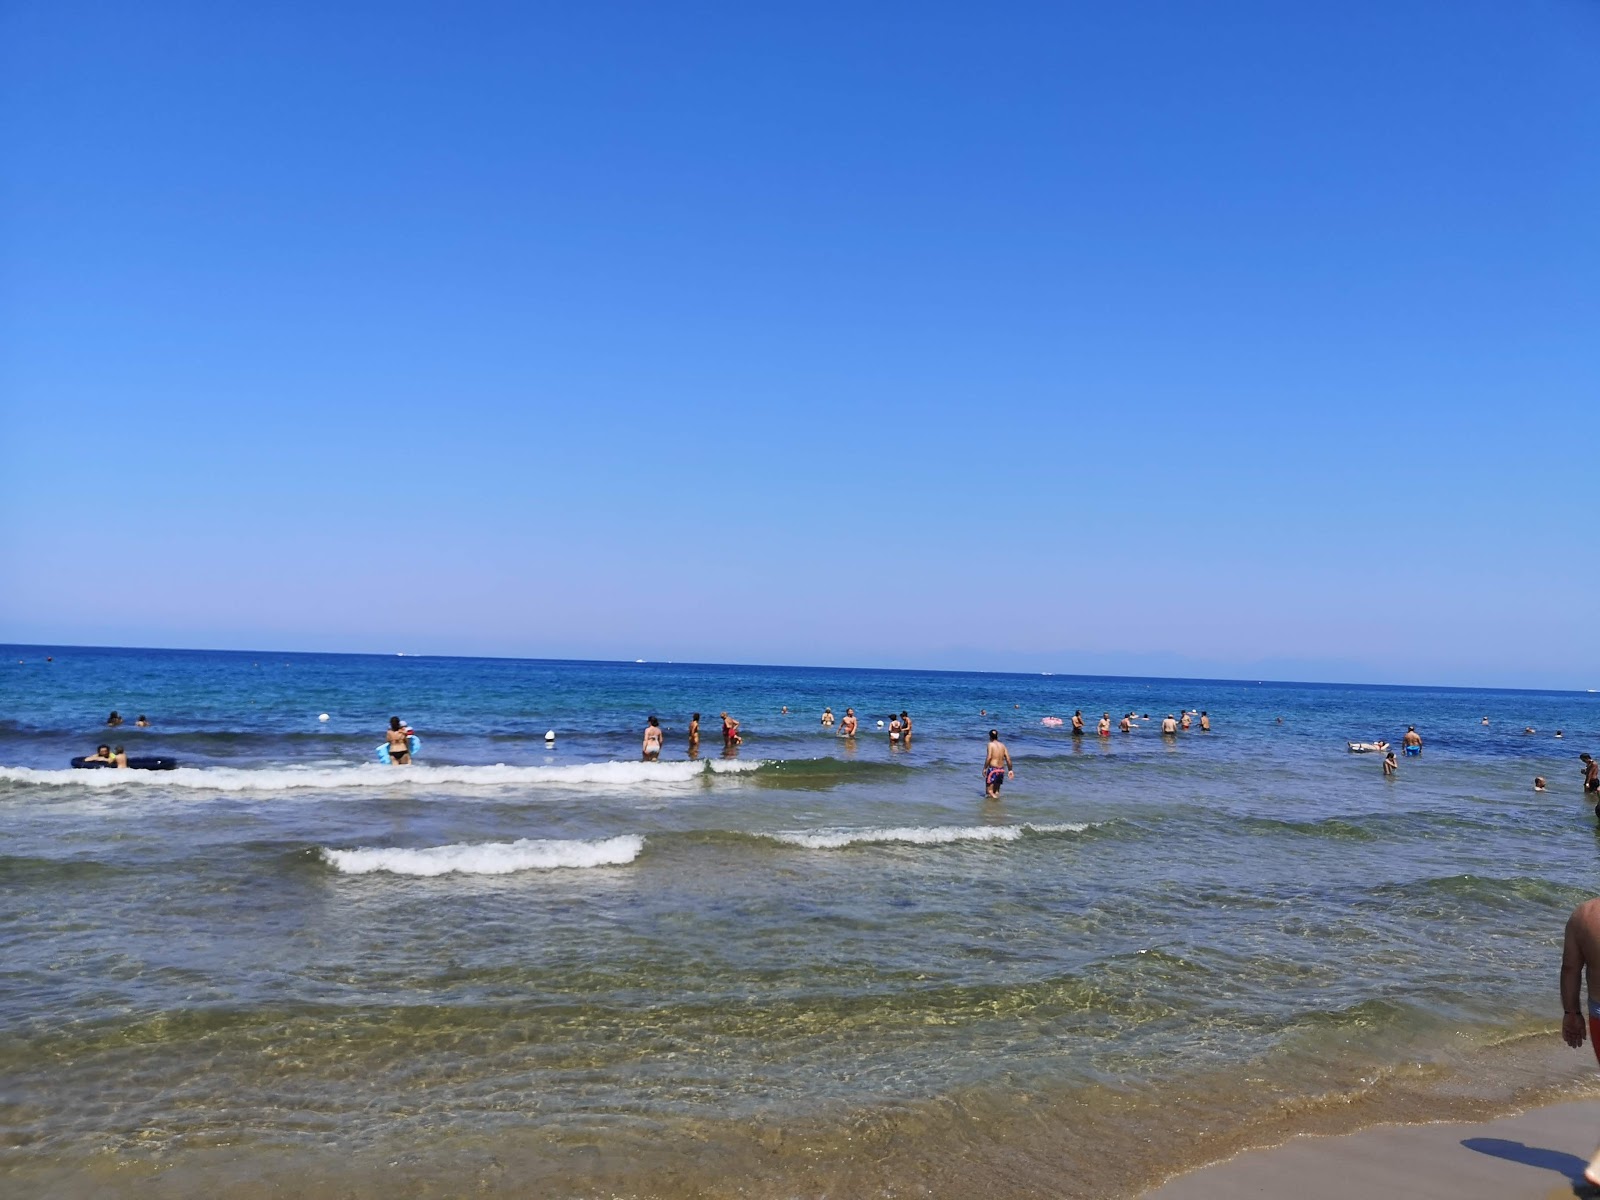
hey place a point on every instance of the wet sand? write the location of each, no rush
(1537, 1155)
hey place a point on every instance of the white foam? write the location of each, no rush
(375, 775)
(920, 835)
(488, 858)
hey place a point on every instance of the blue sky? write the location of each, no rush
(1232, 338)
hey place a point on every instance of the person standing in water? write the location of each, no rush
(1389, 764)
(894, 728)
(1170, 725)
(827, 718)
(905, 728)
(1580, 958)
(996, 766)
(1591, 780)
(1077, 722)
(1412, 741)
(1184, 724)
(694, 735)
(399, 748)
(1105, 724)
(730, 731)
(114, 719)
(1126, 726)
(847, 727)
(652, 740)
(1205, 722)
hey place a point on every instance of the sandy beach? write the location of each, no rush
(1537, 1155)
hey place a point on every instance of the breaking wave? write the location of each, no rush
(921, 835)
(487, 858)
(372, 775)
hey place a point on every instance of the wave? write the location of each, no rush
(921, 835)
(372, 775)
(487, 858)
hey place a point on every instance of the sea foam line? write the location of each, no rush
(920, 835)
(372, 775)
(487, 858)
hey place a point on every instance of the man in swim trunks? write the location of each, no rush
(1126, 726)
(1077, 722)
(1170, 725)
(847, 727)
(996, 766)
(1591, 780)
(652, 740)
(1105, 724)
(1580, 959)
(1205, 722)
(1412, 741)
(399, 748)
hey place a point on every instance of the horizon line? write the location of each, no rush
(1244, 680)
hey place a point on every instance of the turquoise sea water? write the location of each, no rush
(803, 967)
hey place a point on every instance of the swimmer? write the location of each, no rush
(996, 766)
(144, 722)
(1205, 722)
(1105, 725)
(827, 718)
(395, 737)
(652, 740)
(1485, 721)
(1538, 783)
(730, 731)
(1077, 722)
(1389, 764)
(694, 733)
(119, 757)
(905, 728)
(1184, 724)
(1169, 724)
(785, 710)
(1412, 742)
(1126, 726)
(114, 719)
(102, 754)
(1558, 733)
(847, 727)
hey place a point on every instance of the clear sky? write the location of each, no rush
(1241, 337)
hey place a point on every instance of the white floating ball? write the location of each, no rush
(322, 717)
(550, 735)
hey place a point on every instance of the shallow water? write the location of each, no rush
(809, 968)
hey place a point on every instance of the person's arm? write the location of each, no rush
(1010, 770)
(1572, 1029)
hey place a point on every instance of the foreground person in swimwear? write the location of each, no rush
(1077, 722)
(399, 749)
(730, 731)
(847, 727)
(652, 740)
(996, 766)
(1580, 957)
(694, 733)
(102, 754)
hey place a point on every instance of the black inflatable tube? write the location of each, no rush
(156, 763)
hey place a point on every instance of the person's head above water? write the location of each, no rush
(653, 721)
(394, 724)
(102, 750)
(994, 735)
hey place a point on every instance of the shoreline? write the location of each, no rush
(1529, 1154)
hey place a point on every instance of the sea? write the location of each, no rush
(804, 966)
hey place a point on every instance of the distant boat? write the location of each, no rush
(638, 660)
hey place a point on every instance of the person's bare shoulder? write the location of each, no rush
(1586, 917)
